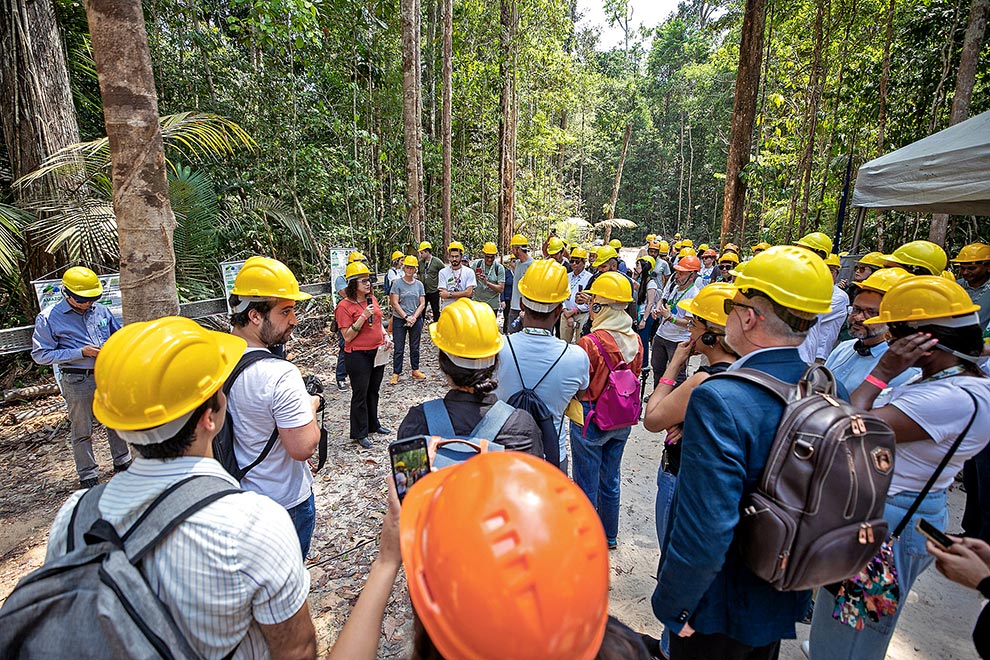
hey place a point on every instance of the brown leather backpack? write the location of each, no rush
(816, 515)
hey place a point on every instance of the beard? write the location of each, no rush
(864, 332)
(270, 337)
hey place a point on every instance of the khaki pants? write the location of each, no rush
(572, 334)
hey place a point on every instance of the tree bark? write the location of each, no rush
(817, 82)
(507, 125)
(743, 116)
(618, 180)
(448, 70)
(145, 221)
(410, 125)
(965, 77)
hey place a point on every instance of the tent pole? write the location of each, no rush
(858, 230)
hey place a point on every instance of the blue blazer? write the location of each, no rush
(728, 429)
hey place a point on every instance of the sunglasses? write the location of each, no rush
(364, 281)
(724, 267)
(576, 261)
(728, 305)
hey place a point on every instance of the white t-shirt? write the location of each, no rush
(651, 285)
(577, 283)
(455, 280)
(668, 330)
(942, 409)
(822, 336)
(271, 393)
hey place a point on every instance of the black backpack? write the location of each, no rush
(94, 601)
(527, 399)
(223, 443)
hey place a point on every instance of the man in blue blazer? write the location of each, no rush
(713, 606)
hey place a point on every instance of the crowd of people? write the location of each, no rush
(507, 554)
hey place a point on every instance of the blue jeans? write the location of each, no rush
(595, 466)
(399, 334)
(303, 517)
(832, 640)
(646, 336)
(666, 482)
(341, 367)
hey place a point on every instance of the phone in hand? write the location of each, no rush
(410, 462)
(371, 303)
(935, 536)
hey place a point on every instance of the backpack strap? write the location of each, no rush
(601, 349)
(246, 361)
(438, 419)
(508, 341)
(781, 390)
(545, 374)
(493, 421)
(84, 515)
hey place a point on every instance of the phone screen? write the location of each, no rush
(410, 463)
(938, 538)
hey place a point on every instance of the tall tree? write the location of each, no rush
(610, 212)
(965, 77)
(411, 114)
(743, 116)
(507, 124)
(448, 75)
(145, 222)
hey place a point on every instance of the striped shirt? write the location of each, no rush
(232, 565)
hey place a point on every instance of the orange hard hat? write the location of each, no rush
(506, 558)
(688, 263)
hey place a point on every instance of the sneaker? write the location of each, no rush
(395, 380)
(418, 375)
(88, 483)
(806, 648)
(364, 442)
(384, 430)
(613, 544)
(123, 466)
(341, 385)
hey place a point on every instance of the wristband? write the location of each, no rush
(668, 381)
(876, 382)
(355, 329)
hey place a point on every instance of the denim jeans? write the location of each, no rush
(595, 466)
(646, 336)
(976, 477)
(399, 334)
(341, 365)
(78, 391)
(832, 640)
(303, 517)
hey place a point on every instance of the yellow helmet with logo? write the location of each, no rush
(519, 241)
(151, 373)
(973, 253)
(425, 245)
(924, 255)
(489, 248)
(263, 277)
(83, 282)
(554, 245)
(874, 259)
(816, 240)
(356, 269)
(604, 254)
(790, 276)
(411, 261)
(613, 286)
(468, 332)
(923, 298)
(709, 304)
(882, 280)
(579, 253)
(544, 283)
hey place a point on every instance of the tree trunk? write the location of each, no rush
(743, 116)
(145, 221)
(618, 180)
(448, 68)
(410, 125)
(507, 125)
(418, 23)
(817, 82)
(882, 114)
(965, 76)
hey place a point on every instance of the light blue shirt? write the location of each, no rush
(851, 369)
(535, 354)
(60, 333)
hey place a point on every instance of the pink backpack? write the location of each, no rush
(619, 404)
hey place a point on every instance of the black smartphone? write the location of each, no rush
(938, 538)
(410, 462)
(370, 302)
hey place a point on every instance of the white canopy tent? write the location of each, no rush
(948, 172)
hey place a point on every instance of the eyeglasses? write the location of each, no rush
(577, 261)
(364, 281)
(865, 313)
(724, 267)
(859, 268)
(728, 305)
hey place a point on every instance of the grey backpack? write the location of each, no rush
(94, 602)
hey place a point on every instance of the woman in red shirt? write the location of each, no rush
(360, 321)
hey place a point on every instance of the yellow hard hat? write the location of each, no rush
(650, 260)
(519, 241)
(759, 247)
(615, 243)
(664, 247)
(579, 253)
(612, 285)
(400, 464)
(411, 261)
(468, 331)
(677, 245)
(816, 240)
(947, 274)
(554, 245)
(709, 304)
(545, 282)
(264, 277)
(731, 247)
(604, 254)
(151, 373)
(489, 248)
(687, 252)
(833, 260)
(790, 276)
(397, 255)
(729, 256)
(923, 298)
(425, 245)
(355, 269)
(702, 247)
(455, 245)
(973, 253)
(651, 237)
(687, 242)
(83, 282)
(882, 280)
(874, 259)
(677, 236)
(356, 256)
(920, 254)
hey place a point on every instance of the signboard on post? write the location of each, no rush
(229, 270)
(49, 294)
(338, 264)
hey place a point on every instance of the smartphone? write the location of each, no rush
(370, 302)
(477, 271)
(938, 538)
(410, 462)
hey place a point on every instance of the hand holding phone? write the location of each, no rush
(410, 462)
(928, 530)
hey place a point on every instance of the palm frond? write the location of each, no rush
(12, 222)
(194, 202)
(85, 226)
(270, 210)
